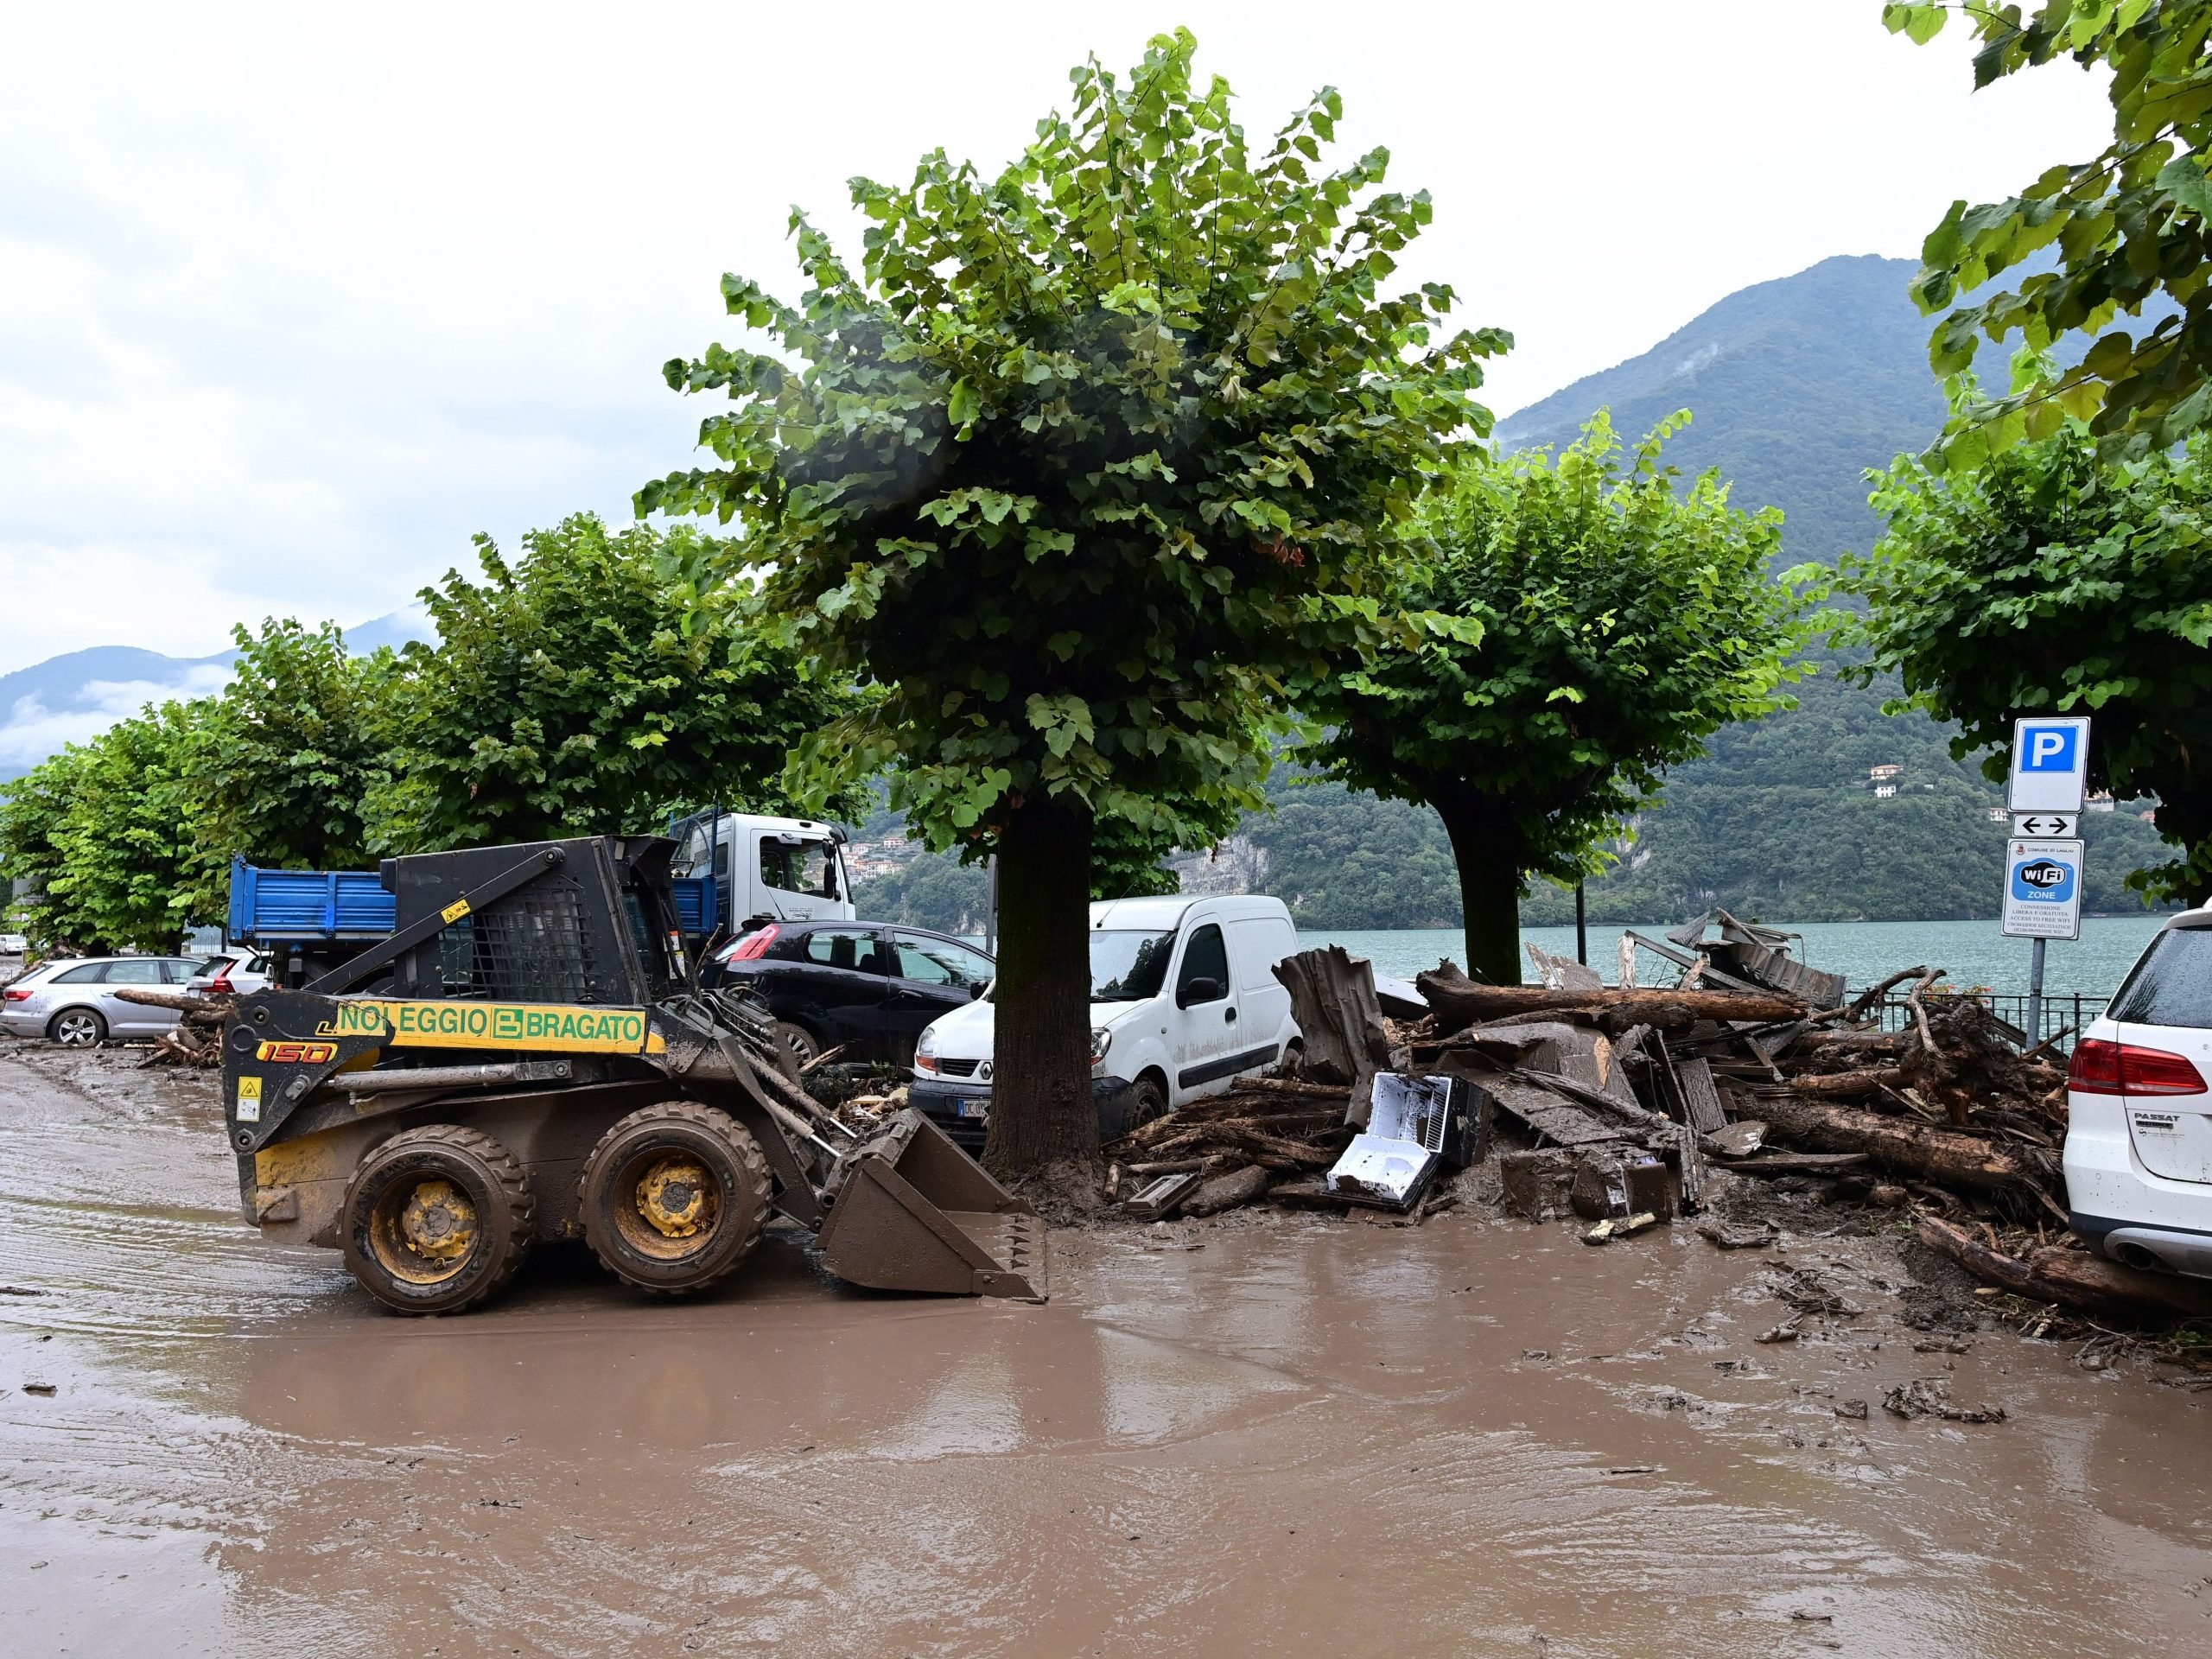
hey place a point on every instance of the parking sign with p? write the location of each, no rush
(2051, 771)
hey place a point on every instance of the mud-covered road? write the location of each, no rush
(1276, 1434)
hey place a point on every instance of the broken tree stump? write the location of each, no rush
(1340, 1023)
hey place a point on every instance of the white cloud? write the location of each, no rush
(293, 300)
(32, 730)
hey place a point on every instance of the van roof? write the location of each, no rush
(1167, 912)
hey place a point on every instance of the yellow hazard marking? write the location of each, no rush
(453, 911)
(249, 1100)
(554, 1027)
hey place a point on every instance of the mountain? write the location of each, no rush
(1795, 387)
(79, 694)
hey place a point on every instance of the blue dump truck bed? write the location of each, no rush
(305, 907)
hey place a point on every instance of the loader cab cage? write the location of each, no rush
(588, 921)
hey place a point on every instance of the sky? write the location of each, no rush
(294, 300)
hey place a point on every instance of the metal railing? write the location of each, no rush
(2065, 1012)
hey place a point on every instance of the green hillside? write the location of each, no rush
(1796, 386)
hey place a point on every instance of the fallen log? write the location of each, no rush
(218, 1008)
(1226, 1191)
(1844, 1083)
(1457, 1002)
(1941, 1155)
(2087, 1284)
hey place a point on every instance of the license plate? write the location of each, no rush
(978, 1109)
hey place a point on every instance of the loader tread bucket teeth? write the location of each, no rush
(912, 1213)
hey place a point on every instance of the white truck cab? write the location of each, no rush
(766, 870)
(1184, 999)
(2139, 1136)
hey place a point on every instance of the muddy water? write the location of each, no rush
(1305, 1436)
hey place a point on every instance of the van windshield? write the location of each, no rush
(1128, 966)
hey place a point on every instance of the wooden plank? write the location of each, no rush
(1700, 1100)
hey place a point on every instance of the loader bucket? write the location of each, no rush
(912, 1213)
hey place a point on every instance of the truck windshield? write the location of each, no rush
(1128, 966)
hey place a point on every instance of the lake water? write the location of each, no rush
(1865, 953)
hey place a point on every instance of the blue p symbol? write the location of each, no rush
(2050, 748)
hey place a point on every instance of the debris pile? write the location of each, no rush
(1619, 1105)
(197, 1036)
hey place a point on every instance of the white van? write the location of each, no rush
(2138, 1121)
(1183, 999)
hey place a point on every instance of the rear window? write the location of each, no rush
(88, 975)
(2172, 985)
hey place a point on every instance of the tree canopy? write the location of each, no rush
(2052, 581)
(1085, 466)
(574, 693)
(1620, 621)
(2128, 228)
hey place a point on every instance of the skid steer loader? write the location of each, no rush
(527, 1057)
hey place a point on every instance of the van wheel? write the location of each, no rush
(437, 1219)
(78, 1028)
(674, 1197)
(1147, 1101)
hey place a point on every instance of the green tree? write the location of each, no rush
(1621, 622)
(2050, 581)
(574, 692)
(1087, 466)
(112, 833)
(295, 742)
(2130, 228)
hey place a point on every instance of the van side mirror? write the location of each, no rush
(1200, 990)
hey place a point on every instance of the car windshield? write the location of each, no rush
(2172, 985)
(1128, 966)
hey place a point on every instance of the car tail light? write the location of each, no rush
(2103, 1068)
(752, 946)
(221, 986)
(14, 996)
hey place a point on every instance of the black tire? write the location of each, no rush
(800, 1043)
(674, 1198)
(437, 1219)
(78, 1028)
(1147, 1101)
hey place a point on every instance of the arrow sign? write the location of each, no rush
(2045, 826)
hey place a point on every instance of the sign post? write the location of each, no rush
(2043, 864)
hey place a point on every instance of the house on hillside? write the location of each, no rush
(1884, 774)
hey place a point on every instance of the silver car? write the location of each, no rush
(74, 1002)
(234, 971)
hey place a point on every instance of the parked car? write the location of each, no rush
(74, 1002)
(233, 970)
(14, 944)
(2138, 1134)
(865, 987)
(1183, 1000)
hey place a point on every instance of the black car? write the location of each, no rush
(868, 988)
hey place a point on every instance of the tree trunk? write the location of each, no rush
(1456, 1001)
(1940, 1155)
(1488, 853)
(1041, 1106)
(2089, 1283)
